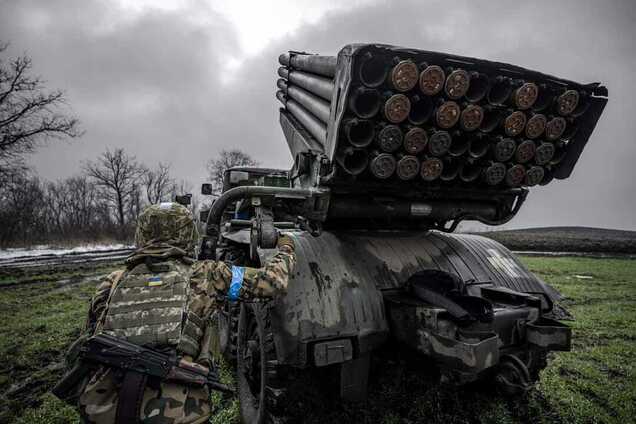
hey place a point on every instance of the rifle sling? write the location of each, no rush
(130, 397)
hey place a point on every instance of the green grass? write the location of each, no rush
(39, 320)
(595, 383)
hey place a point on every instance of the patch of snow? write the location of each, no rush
(45, 250)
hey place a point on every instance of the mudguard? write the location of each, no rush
(335, 300)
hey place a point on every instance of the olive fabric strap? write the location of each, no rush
(130, 397)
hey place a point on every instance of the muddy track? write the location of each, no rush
(113, 255)
(29, 261)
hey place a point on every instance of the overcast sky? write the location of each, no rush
(176, 81)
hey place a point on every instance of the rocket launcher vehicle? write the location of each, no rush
(389, 143)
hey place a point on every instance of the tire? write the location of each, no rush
(261, 386)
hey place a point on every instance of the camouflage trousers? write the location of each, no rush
(167, 403)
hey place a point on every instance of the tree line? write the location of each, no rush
(102, 201)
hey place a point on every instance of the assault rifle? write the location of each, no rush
(104, 349)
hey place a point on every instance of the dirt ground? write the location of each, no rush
(42, 311)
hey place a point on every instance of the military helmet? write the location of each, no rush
(169, 223)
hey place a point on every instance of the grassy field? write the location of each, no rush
(596, 382)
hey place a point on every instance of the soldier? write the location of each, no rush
(163, 299)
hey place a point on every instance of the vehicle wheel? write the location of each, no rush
(260, 385)
(512, 378)
(538, 360)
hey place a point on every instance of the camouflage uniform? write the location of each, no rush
(166, 237)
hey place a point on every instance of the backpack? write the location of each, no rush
(150, 306)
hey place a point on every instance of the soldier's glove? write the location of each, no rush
(286, 241)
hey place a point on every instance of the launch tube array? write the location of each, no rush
(434, 121)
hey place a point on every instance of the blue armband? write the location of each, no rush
(237, 282)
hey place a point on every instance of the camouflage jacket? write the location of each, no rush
(211, 282)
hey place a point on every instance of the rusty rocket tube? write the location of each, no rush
(567, 102)
(365, 102)
(494, 173)
(514, 123)
(390, 138)
(534, 176)
(397, 108)
(525, 95)
(447, 114)
(352, 160)
(439, 143)
(457, 84)
(415, 140)
(503, 149)
(360, 132)
(536, 126)
(404, 75)
(314, 104)
(382, 165)
(544, 153)
(315, 127)
(315, 84)
(555, 128)
(515, 175)
(316, 64)
(471, 117)
(408, 167)
(525, 151)
(432, 80)
(431, 168)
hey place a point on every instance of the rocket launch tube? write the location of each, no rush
(309, 121)
(316, 84)
(317, 106)
(321, 65)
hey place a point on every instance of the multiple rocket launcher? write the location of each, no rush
(433, 119)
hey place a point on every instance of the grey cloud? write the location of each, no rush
(150, 84)
(154, 85)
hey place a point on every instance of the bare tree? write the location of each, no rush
(118, 175)
(21, 210)
(29, 114)
(227, 159)
(56, 201)
(70, 208)
(158, 183)
(82, 202)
